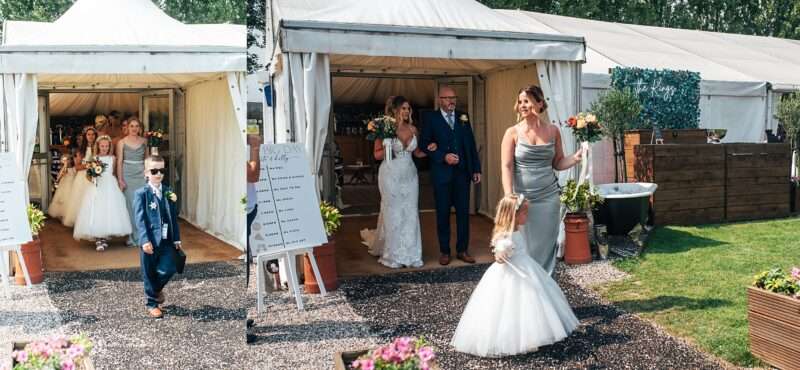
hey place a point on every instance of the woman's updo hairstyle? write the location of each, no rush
(536, 93)
(393, 105)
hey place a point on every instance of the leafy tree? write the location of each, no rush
(256, 24)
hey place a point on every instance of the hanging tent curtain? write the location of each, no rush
(310, 86)
(18, 117)
(237, 86)
(558, 81)
(215, 157)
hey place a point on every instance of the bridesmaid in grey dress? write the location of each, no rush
(130, 168)
(531, 152)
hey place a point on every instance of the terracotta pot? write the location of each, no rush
(326, 262)
(32, 253)
(576, 251)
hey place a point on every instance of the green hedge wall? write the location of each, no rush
(669, 98)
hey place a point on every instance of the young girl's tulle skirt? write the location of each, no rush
(58, 206)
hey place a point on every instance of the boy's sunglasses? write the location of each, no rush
(155, 171)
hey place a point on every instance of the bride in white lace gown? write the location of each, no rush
(397, 239)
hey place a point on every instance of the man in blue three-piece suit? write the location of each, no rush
(454, 166)
(156, 220)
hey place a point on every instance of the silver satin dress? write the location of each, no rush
(535, 178)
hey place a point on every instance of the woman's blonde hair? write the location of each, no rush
(96, 147)
(506, 217)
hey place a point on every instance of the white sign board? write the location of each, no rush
(8, 166)
(14, 228)
(288, 210)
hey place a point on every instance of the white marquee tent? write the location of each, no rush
(140, 48)
(318, 39)
(742, 76)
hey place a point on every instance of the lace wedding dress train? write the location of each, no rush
(397, 239)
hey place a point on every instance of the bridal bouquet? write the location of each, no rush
(94, 169)
(585, 127)
(381, 128)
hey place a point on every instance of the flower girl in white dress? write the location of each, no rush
(66, 176)
(85, 154)
(516, 307)
(103, 213)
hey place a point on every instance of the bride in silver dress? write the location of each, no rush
(531, 152)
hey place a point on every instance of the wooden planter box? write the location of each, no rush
(637, 137)
(342, 360)
(87, 363)
(774, 323)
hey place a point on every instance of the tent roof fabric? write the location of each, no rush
(444, 29)
(122, 23)
(121, 36)
(717, 56)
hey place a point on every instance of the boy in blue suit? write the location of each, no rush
(156, 218)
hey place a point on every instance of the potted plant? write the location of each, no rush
(58, 352)
(773, 303)
(617, 110)
(579, 200)
(405, 353)
(31, 251)
(324, 254)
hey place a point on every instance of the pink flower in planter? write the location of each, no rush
(21, 356)
(75, 351)
(403, 344)
(67, 365)
(796, 273)
(426, 354)
(364, 364)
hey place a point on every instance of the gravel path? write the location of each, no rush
(203, 326)
(429, 303)
(375, 309)
(592, 274)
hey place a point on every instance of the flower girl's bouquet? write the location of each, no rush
(95, 169)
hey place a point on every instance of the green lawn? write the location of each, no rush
(692, 280)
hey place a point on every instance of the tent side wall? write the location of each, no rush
(214, 153)
(501, 94)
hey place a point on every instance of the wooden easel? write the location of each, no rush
(5, 270)
(289, 258)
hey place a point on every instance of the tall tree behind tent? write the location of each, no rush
(779, 18)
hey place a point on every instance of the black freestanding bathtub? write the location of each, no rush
(624, 206)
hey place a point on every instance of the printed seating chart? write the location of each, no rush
(14, 228)
(288, 210)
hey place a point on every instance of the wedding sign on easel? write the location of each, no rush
(288, 222)
(14, 228)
